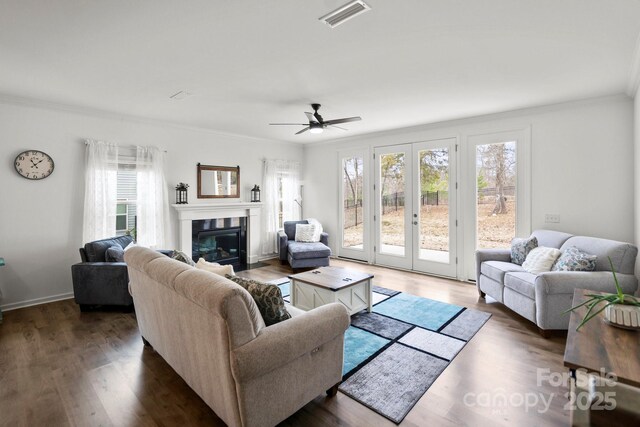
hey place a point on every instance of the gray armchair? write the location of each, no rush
(302, 254)
(98, 282)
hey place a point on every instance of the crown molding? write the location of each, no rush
(112, 115)
(634, 71)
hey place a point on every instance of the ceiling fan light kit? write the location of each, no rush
(316, 123)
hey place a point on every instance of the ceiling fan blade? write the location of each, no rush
(345, 120)
(288, 124)
(302, 131)
(311, 117)
(337, 127)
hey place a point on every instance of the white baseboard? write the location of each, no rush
(36, 301)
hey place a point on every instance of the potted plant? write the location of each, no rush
(619, 309)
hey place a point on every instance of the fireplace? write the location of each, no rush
(221, 240)
(217, 216)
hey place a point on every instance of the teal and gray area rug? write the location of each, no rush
(393, 354)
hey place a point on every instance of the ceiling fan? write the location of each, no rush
(316, 123)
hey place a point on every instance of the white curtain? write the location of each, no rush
(281, 182)
(100, 193)
(153, 227)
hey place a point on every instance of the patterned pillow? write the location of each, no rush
(114, 254)
(540, 259)
(573, 259)
(520, 248)
(182, 257)
(268, 298)
(306, 233)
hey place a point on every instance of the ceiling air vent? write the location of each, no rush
(344, 13)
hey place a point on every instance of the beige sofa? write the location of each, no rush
(211, 333)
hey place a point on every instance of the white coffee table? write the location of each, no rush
(325, 285)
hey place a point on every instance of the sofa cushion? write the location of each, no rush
(268, 298)
(497, 269)
(301, 250)
(96, 251)
(114, 253)
(520, 248)
(540, 259)
(573, 259)
(623, 255)
(521, 282)
(551, 238)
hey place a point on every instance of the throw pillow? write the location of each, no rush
(573, 259)
(306, 233)
(215, 268)
(114, 253)
(318, 231)
(268, 298)
(182, 257)
(540, 259)
(520, 248)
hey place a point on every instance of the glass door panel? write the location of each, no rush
(393, 210)
(354, 211)
(435, 202)
(496, 201)
(392, 174)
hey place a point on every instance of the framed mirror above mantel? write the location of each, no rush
(218, 182)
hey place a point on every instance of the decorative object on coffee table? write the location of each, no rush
(325, 285)
(255, 194)
(181, 194)
(620, 310)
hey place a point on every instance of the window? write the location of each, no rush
(126, 190)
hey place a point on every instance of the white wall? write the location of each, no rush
(582, 164)
(636, 139)
(41, 221)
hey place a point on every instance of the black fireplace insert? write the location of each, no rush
(221, 240)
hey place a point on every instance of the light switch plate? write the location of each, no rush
(552, 218)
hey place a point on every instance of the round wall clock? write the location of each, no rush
(34, 164)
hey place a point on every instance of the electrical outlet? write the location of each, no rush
(552, 218)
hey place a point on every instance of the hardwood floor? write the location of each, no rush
(62, 367)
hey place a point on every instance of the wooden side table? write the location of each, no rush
(605, 368)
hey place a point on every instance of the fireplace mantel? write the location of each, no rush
(251, 211)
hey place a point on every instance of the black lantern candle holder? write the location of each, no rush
(255, 193)
(181, 194)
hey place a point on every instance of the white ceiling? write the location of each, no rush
(252, 62)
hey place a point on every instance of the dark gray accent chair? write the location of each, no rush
(302, 254)
(98, 282)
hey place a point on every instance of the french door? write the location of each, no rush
(415, 206)
(354, 211)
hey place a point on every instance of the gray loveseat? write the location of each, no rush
(543, 298)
